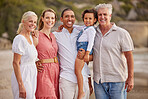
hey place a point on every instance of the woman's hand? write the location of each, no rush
(22, 91)
(60, 28)
(35, 33)
(39, 66)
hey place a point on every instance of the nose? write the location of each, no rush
(49, 19)
(69, 18)
(87, 19)
(102, 16)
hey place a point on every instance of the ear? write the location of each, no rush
(95, 20)
(22, 21)
(42, 18)
(61, 19)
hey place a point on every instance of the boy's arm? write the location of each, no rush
(91, 32)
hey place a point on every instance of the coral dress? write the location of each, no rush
(27, 67)
(48, 79)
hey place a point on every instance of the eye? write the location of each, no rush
(105, 14)
(31, 21)
(99, 14)
(47, 17)
(66, 16)
(53, 18)
(73, 16)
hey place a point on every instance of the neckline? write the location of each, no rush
(47, 36)
(26, 39)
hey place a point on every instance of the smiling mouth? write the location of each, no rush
(32, 27)
(102, 20)
(50, 24)
(69, 23)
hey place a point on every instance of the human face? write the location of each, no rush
(49, 19)
(104, 17)
(30, 24)
(68, 19)
(89, 19)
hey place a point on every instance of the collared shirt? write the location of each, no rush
(67, 54)
(109, 62)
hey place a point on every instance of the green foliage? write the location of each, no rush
(125, 1)
(101, 1)
(127, 7)
(11, 11)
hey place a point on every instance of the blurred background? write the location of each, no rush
(129, 14)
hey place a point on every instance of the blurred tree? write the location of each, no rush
(11, 12)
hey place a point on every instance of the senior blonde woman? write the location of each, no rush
(24, 76)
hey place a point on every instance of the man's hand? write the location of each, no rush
(60, 28)
(129, 84)
(86, 57)
(39, 66)
(81, 53)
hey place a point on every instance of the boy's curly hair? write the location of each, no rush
(90, 11)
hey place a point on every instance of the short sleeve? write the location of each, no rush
(126, 42)
(18, 45)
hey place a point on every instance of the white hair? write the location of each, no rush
(108, 6)
(25, 17)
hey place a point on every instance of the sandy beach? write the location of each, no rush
(140, 90)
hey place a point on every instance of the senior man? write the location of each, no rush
(113, 64)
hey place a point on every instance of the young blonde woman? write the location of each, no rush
(48, 74)
(24, 76)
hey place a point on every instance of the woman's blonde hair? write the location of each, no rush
(25, 17)
(41, 24)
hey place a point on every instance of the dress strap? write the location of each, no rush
(81, 32)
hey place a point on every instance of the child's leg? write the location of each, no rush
(79, 64)
(90, 85)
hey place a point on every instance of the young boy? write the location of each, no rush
(85, 40)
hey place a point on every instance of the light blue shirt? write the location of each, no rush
(67, 54)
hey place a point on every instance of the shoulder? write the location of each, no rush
(19, 44)
(19, 38)
(56, 33)
(91, 29)
(76, 30)
(121, 30)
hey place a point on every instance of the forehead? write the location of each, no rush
(103, 10)
(49, 14)
(68, 12)
(32, 17)
(89, 15)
